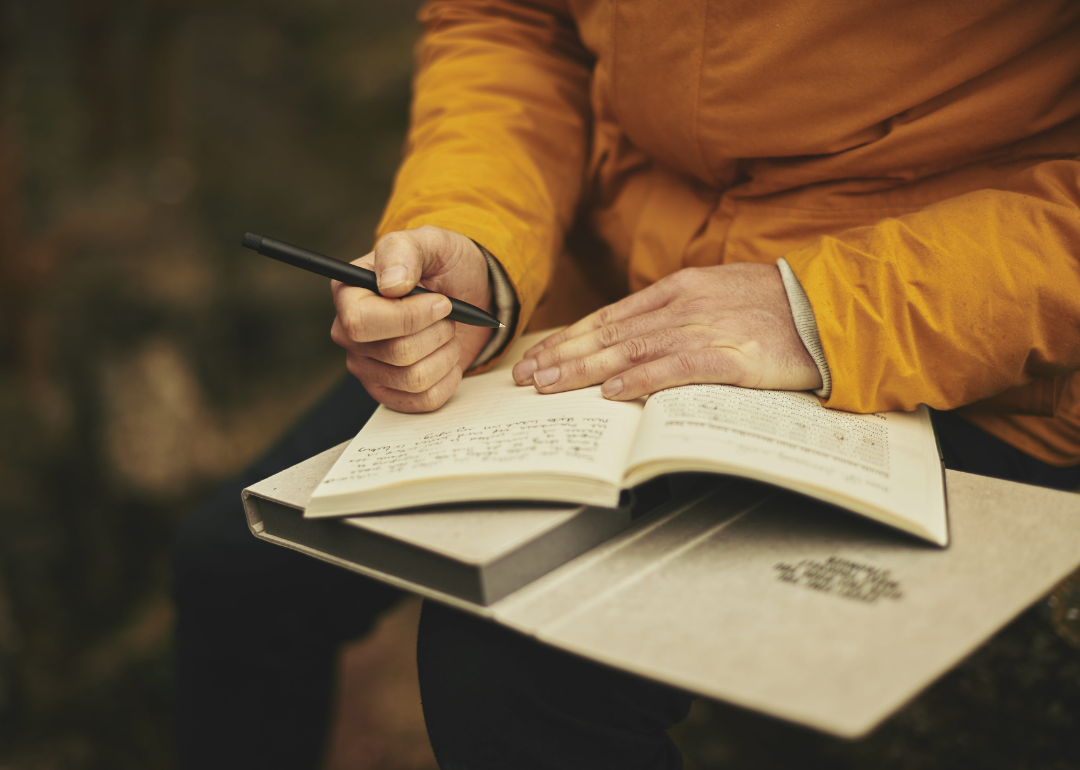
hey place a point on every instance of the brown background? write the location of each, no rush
(144, 357)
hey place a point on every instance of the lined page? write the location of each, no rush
(885, 461)
(490, 426)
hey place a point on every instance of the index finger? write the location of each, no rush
(337, 287)
(368, 317)
(648, 299)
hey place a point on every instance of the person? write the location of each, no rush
(879, 203)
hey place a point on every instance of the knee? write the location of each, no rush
(495, 698)
(466, 669)
(462, 660)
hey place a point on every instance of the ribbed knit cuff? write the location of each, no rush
(806, 325)
(506, 309)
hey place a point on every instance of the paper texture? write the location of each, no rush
(799, 610)
(495, 440)
(491, 426)
(494, 427)
(775, 602)
(883, 465)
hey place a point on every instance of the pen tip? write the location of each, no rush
(502, 326)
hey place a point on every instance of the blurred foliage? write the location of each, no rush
(143, 355)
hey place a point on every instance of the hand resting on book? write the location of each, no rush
(729, 324)
(404, 351)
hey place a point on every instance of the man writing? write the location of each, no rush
(877, 202)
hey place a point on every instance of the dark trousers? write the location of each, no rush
(259, 627)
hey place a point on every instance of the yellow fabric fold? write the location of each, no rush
(498, 132)
(963, 300)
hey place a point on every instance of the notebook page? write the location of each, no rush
(887, 460)
(490, 426)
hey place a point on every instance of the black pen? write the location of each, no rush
(352, 275)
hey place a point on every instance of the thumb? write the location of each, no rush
(402, 258)
(399, 263)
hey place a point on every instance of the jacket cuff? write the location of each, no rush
(805, 325)
(506, 310)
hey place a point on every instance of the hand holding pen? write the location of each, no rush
(353, 275)
(400, 343)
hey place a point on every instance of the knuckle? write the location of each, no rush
(579, 368)
(636, 350)
(428, 401)
(548, 357)
(391, 240)
(695, 307)
(399, 351)
(606, 315)
(415, 379)
(430, 234)
(682, 363)
(395, 351)
(677, 280)
(453, 347)
(356, 326)
(413, 320)
(443, 332)
(609, 336)
(689, 279)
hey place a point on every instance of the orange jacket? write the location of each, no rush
(915, 162)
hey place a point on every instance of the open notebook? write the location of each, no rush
(496, 441)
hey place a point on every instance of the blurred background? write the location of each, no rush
(144, 357)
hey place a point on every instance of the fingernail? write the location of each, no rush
(546, 377)
(523, 372)
(612, 387)
(392, 276)
(441, 309)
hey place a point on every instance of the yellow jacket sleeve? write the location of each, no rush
(498, 134)
(955, 303)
